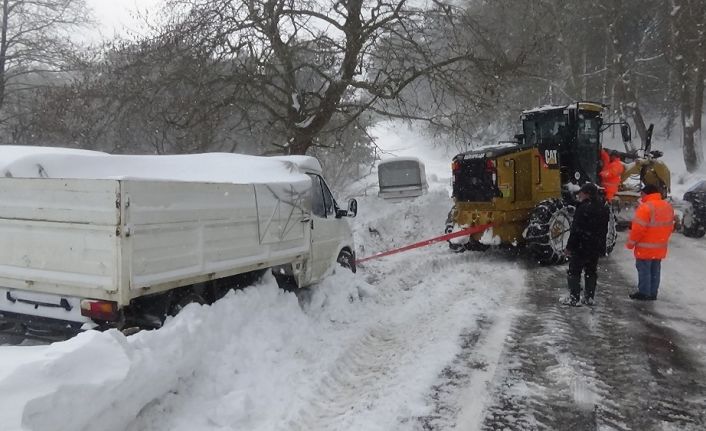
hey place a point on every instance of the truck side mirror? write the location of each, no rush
(625, 131)
(350, 212)
(352, 208)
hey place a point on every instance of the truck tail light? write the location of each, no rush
(100, 310)
(455, 166)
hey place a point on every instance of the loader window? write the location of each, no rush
(586, 153)
(547, 128)
(588, 132)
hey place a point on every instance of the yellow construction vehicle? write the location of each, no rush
(526, 188)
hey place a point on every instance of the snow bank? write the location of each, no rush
(102, 380)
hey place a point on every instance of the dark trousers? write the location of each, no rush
(648, 275)
(589, 266)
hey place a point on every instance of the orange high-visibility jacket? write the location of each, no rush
(605, 157)
(651, 228)
(611, 174)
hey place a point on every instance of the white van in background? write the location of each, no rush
(401, 178)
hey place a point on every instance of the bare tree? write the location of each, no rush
(305, 61)
(35, 40)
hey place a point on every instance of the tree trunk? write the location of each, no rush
(625, 85)
(3, 49)
(685, 48)
(691, 112)
(299, 143)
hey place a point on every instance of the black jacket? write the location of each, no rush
(589, 229)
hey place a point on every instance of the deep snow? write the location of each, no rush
(369, 351)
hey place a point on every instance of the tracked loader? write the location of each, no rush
(526, 188)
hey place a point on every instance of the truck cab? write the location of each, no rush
(331, 236)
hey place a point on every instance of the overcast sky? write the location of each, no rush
(116, 16)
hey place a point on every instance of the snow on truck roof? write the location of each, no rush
(50, 162)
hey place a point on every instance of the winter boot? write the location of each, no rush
(574, 283)
(639, 296)
(570, 300)
(590, 289)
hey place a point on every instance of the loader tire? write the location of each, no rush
(691, 225)
(548, 231)
(475, 245)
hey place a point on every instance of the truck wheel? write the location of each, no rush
(345, 259)
(286, 282)
(612, 236)
(179, 301)
(548, 231)
(691, 225)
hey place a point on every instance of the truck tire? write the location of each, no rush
(182, 299)
(548, 231)
(691, 225)
(346, 260)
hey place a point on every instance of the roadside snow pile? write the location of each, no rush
(382, 225)
(107, 378)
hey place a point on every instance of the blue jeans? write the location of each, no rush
(648, 272)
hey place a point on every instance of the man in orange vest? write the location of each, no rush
(649, 237)
(611, 173)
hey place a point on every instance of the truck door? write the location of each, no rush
(326, 232)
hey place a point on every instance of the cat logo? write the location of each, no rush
(550, 157)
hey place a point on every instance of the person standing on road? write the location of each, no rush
(649, 237)
(587, 242)
(611, 173)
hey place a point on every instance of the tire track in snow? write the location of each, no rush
(600, 368)
(373, 367)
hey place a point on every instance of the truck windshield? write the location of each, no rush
(399, 174)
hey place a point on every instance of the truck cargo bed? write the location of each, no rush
(120, 239)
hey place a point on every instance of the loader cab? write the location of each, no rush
(568, 139)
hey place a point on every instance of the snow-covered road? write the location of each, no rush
(620, 365)
(371, 351)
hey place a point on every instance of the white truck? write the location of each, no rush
(89, 239)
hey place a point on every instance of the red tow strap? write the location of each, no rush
(445, 237)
